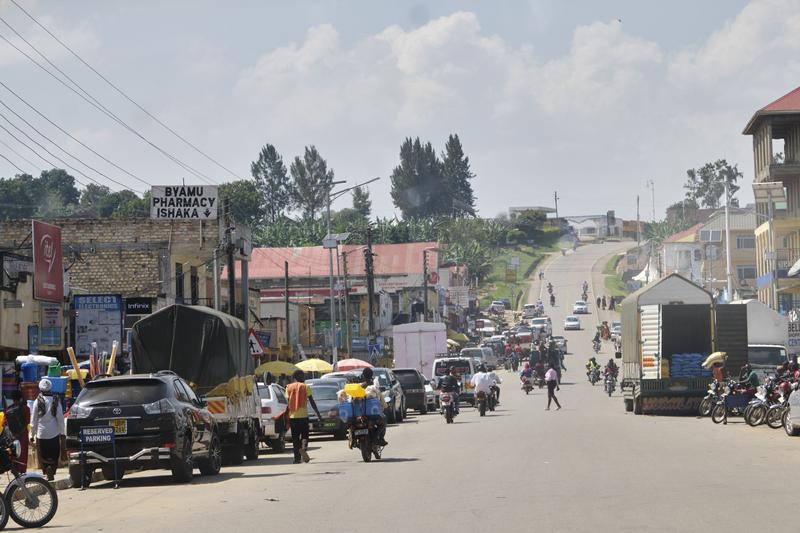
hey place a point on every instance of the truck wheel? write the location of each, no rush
(211, 465)
(790, 428)
(628, 406)
(234, 453)
(251, 448)
(278, 444)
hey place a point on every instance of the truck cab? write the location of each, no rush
(765, 358)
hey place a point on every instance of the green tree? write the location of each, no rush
(530, 223)
(244, 201)
(361, 202)
(706, 185)
(273, 183)
(93, 195)
(312, 179)
(683, 214)
(129, 205)
(457, 175)
(419, 188)
(17, 197)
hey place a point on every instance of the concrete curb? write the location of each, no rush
(66, 483)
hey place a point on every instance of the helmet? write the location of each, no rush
(45, 385)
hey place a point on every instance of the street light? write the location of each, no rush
(770, 192)
(330, 242)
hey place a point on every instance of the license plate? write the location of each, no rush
(360, 432)
(329, 425)
(120, 426)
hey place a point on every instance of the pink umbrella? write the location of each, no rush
(351, 364)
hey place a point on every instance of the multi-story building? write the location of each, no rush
(775, 129)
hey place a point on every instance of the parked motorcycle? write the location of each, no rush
(481, 403)
(733, 401)
(448, 407)
(710, 399)
(30, 500)
(756, 411)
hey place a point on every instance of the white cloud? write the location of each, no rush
(79, 37)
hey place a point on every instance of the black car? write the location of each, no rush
(158, 423)
(413, 384)
(324, 395)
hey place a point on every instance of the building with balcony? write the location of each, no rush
(775, 129)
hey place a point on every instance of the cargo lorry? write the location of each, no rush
(206, 348)
(668, 328)
(417, 344)
(767, 337)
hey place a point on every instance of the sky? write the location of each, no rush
(591, 99)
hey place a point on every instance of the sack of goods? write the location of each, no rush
(688, 365)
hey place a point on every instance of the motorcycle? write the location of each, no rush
(481, 403)
(594, 376)
(549, 288)
(756, 411)
(610, 384)
(596, 346)
(448, 408)
(527, 386)
(492, 400)
(710, 399)
(733, 401)
(30, 500)
(552, 300)
(362, 433)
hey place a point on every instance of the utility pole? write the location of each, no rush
(424, 285)
(231, 263)
(216, 279)
(653, 191)
(728, 273)
(555, 198)
(349, 333)
(286, 301)
(638, 224)
(334, 354)
(369, 266)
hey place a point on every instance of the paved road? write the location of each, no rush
(589, 467)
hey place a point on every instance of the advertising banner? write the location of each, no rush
(48, 273)
(98, 318)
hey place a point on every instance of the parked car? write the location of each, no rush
(572, 322)
(561, 342)
(542, 324)
(273, 404)
(530, 310)
(430, 397)
(340, 381)
(615, 330)
(393, 395)
(158, 421)
(349, 376)
(413, 383)
(497, 306)
(324, 395)
(580, 308)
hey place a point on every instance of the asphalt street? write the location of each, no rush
(589, 467)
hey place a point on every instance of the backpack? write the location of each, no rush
(15, 419)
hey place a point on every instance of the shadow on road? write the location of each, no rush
(161, 480)
(398, 459)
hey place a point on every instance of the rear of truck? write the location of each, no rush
(236, 408)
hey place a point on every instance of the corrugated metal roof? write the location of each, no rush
(739, 220)
(688, 235)
(787, 104)
(312, 261)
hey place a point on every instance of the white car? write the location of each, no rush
(561, 342)
(273, 404)
(580, 307)
(572, 322)
(543, 324)
(497, 306)
(430, 397)
(616, 330)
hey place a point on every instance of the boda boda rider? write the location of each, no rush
(527, 372)
(591, 365)
(612, 368)
(367, 379)
(748, 378)
(449, 383)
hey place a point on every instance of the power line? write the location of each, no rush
(10, 162)
(95, 103)
(124, 94)
(37, 154)
(31, 163)
(31, 126)
(65, 132)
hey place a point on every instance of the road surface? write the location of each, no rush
(589, 467)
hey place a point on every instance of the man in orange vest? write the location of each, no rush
(299, 396)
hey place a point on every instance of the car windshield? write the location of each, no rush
(472, 352)
(539, 321)
(579, 302)
(766, 355)
(324, 392)
(122, 392)
(572, 319)
(383, 377)
(264, 392)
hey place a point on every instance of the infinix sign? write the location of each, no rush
(194, 202)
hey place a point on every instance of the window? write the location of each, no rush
(194, 286)
(178, 283)
(697, 255)
(190, 393)
(746, 272)
(710, 235)
(180, 392)
(589, 231)
(746, 241)
(279, 394)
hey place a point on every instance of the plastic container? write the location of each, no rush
(359, 408)
(29, 391)
(54, 370)
(354, 390)
(345, 411)
(59, 385)
(373, 406)
(30, 372)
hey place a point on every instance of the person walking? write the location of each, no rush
(299, 396)
(551, 378)
(17, 417)
(599, 301)
(611, 303)
(604, 301)
(47, 428)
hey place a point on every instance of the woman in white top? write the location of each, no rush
(47, 427)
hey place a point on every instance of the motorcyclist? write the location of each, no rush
(482, 381)
(367, 380)
(611, 368)
(449, 383)
(527, 372)
(552, 300)
(496, 381)
(591, 365)
(748, 378)
(550, 288)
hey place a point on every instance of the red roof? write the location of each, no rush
(786, 104)
(312, 261)
(681, 235)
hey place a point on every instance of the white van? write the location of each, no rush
(529, 310)
(463, 368)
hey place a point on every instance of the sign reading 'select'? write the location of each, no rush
(193, 202)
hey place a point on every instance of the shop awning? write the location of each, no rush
(456, 336)
(794, 270)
